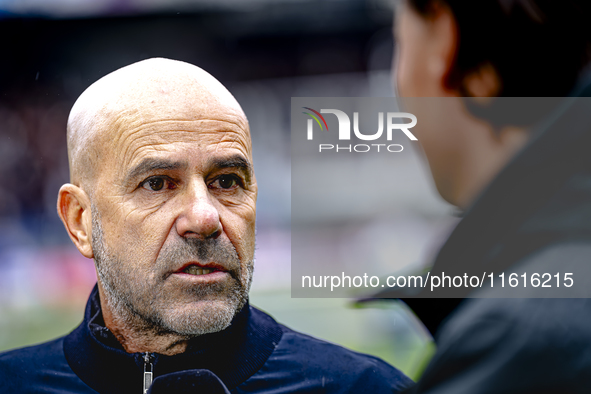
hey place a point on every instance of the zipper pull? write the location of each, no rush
(148, 371)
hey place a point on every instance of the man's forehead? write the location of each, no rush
(199, 140)
(152, 96)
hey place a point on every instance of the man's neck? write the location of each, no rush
(136, 335)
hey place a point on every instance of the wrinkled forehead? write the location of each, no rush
(168, 113)
(151, 99)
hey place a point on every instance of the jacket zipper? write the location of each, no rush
(148, 371)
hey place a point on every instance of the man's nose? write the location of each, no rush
(199, 218)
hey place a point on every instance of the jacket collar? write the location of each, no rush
(233, 354)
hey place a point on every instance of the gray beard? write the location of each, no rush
(142, 306)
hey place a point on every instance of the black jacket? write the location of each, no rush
(535, 217)
(254, 355)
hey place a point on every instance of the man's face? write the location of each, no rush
(173, 212)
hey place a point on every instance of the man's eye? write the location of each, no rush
(225, 181)
(157, 183)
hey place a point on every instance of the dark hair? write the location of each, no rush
(538, 47)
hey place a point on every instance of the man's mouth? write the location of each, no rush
(195, 270)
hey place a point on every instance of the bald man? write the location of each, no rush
(162, 197)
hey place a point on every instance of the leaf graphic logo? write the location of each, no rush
(314, 116)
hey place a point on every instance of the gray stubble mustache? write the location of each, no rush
(203, 251)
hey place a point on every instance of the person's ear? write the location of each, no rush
(73, 207)
(444, 38)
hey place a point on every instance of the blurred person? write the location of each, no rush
(522, 179)
(162, 197)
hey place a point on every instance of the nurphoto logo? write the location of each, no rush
(344, 131)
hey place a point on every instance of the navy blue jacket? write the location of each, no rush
(254, 355)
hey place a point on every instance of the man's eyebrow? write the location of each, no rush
(151, 164)
(236, 161)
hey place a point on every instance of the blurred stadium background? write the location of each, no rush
(265, 52)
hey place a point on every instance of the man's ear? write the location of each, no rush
(73, 207)
(484, 81)
(444, 38)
